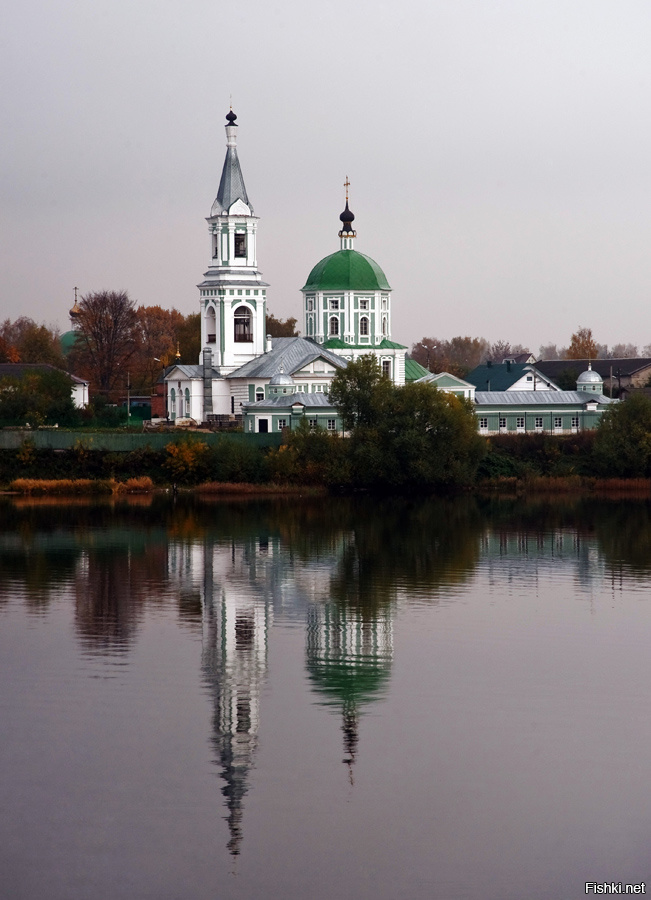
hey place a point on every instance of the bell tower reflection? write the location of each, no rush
(236, 620)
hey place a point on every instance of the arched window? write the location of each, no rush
(384, 326)
(334, 326)
(259, 393)
(211, 331)
(187, 401)
(243, 329)
(363, 325)
(173, 403)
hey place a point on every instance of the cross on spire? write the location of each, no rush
(346, 185)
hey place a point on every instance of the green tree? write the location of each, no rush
(622, 445)
(361, 393)
(39, 397)
(409, 437)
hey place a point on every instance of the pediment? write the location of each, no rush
(239, 208)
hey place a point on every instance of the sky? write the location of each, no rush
(498, 153)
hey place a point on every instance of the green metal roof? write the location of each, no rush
(346, 270)
(338, 344)
(414, 370)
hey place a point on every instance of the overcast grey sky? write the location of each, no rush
(498, 153)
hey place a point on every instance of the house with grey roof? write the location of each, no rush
(510, 376)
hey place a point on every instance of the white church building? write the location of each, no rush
(346, 305)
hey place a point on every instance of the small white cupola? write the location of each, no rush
(590, 381)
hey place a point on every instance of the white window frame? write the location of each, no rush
(502, 423)
(333, 332)
(363, 304)
(558, 423)
(313, 423)
(520, 423)
(483, 423)
(333, 304)
(539, 423)
(282, 423)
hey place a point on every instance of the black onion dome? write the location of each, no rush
(346, 215)
(231, 118)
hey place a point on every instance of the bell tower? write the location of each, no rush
(232, 295)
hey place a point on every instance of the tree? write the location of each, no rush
(623, 351)
(39, 397)
(25, 341)
(188, 338)
(499, 351)
(551, 351)
(413, 436)
(623, 441)
(361, 393)
(108, 338)
(281, 327)
(582, 345)
(458, 355)
(157, 332)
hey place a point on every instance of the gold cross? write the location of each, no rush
(346, 185)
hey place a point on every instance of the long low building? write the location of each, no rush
(553, 412)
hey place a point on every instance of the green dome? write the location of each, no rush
(346, 270)
(67, 341)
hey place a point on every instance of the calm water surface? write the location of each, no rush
(324, 699)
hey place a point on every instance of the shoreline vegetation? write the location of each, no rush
(409, 440)
(538, 485)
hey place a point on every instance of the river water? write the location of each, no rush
(324, 698)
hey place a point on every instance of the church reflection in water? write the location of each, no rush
(349, 648)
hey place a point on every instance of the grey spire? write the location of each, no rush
(231, 185)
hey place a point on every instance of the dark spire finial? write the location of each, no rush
(347, 216)
(230, 118)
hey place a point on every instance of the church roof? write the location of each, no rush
(414, 370)
(292, 353)
(346, 270)
(188, 371)
(231, 185)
